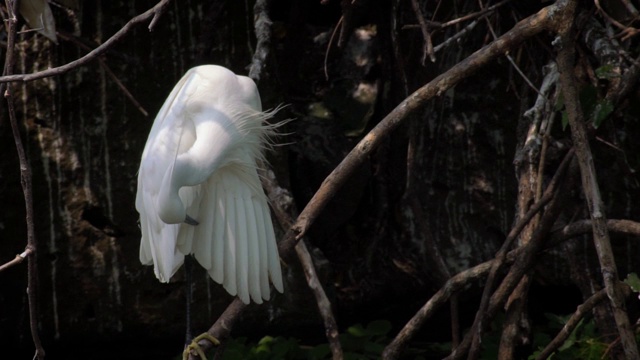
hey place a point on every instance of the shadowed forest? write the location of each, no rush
(452, 179)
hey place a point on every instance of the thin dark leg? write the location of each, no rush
(188, 268)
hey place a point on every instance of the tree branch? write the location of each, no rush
(566, 60)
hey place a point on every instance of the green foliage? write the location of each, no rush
(633, 281)
(358, 343)
(595, 108)
(582, 343)
(606, 72)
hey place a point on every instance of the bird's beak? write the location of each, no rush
(191, 221)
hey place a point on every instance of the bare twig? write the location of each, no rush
(428, 44)
(17, 260)
(155, 12)
(478, 14)
(324, 305)
(566, 58)
(25, 181)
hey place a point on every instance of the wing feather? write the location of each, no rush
(217, 271)
(262, 244)
(254, 250)
(272, 252)
(229, 281)
(242, 256)
(203, 235)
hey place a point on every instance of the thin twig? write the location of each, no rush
(17, 260)
(428, 44)
(154, 12)
(25, 181)
(324, 305)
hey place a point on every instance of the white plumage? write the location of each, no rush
(199, 164)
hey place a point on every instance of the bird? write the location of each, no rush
(198, 188)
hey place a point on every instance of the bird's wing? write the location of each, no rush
(171, 133)
(235, 240)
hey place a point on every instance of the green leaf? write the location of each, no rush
(357, 330)
(565, 120)
(378, 327)
(633, 281)
(606, 72)
(600, 112)
(319, 352)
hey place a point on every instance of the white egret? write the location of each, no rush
(198, 189)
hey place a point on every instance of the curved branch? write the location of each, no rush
(154, 13)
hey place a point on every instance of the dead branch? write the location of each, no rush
(154, 13)
(324, 305)
(26, 182)
(427, 49)
(17, 260)
(565, 60)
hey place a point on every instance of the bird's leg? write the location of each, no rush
(188, 268)
(194, 346)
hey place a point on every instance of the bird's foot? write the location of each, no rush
(195, 347)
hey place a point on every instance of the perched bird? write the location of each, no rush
(198, 188)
